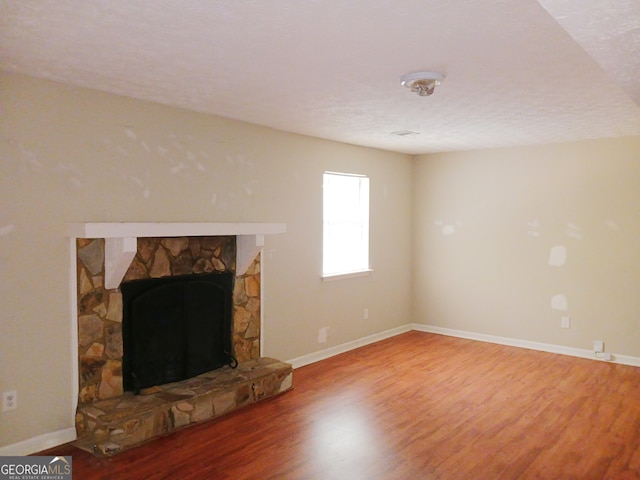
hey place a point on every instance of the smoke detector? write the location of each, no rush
(422, 83)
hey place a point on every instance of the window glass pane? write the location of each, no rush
(346, 223)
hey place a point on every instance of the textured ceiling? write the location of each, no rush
(517, 72)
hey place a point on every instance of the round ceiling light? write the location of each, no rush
(422, 83)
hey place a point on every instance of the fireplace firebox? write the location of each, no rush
(175, 328)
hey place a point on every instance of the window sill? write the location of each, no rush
(340, 276)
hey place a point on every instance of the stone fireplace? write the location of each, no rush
(110, 419)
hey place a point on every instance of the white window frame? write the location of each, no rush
(345, 229)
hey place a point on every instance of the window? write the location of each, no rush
(345, 224)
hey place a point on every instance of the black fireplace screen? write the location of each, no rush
(174, 328)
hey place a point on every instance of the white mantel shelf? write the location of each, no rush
(122, 230)
(121, 240)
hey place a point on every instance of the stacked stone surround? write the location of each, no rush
(100, 346)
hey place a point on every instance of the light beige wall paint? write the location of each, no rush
(485, 226)
(74, 155)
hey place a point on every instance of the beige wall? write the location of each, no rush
(488, 223)
(74, 155)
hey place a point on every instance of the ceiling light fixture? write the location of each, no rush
(422, 83)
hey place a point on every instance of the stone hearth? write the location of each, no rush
(109, 420)
(107, 427)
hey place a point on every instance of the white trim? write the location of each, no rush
(39, 443)
(340, 276)
(262, 303)
(73, 310)
(626, 360)
(168, 229)
(361, 175)
(247, 249)
(514, 342)
(118, 255)
(345, 347)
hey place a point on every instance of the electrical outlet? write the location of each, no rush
(365, 314)
(565, 322)
(323, 334)
(598, 346)
(9, 400)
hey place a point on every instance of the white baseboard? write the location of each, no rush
(345, 347)
(481, 337)
(514, 342)
(39, 443)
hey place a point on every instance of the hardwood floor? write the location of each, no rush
(416, 406)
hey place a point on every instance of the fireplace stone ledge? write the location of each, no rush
(110, 426)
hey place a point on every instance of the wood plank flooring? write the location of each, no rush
(416, 406)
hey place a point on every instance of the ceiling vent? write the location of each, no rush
(404, 133)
